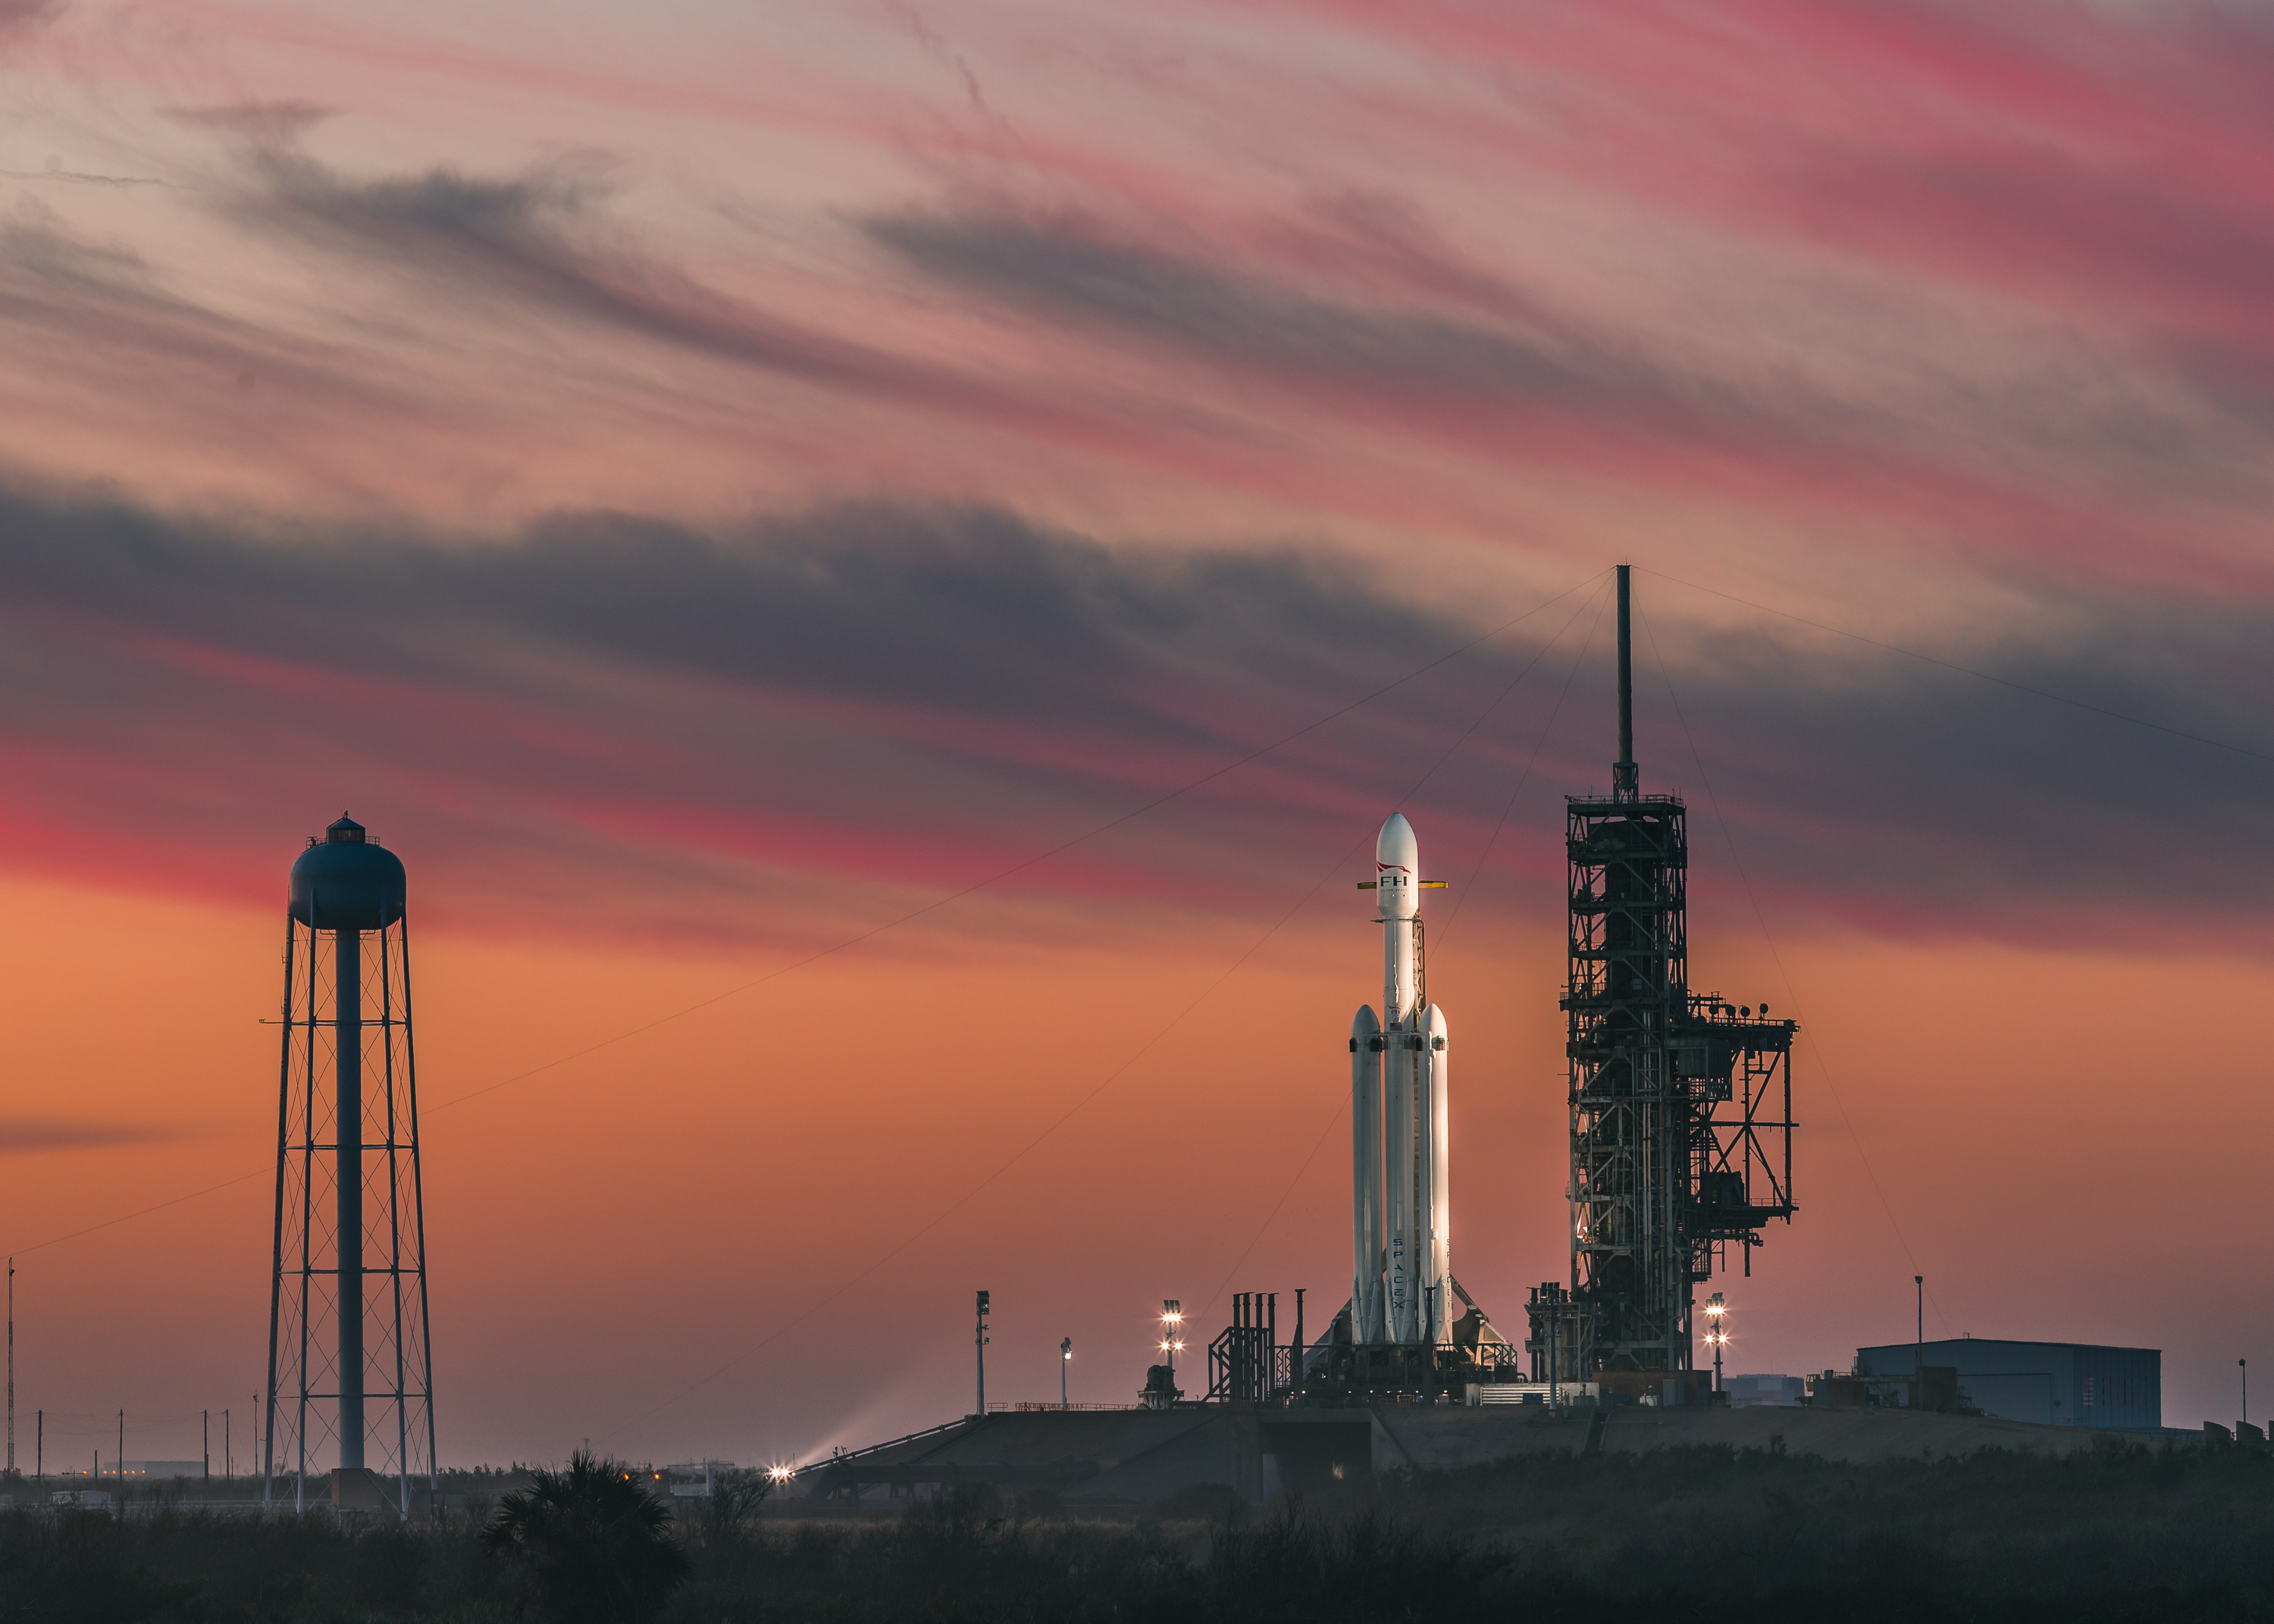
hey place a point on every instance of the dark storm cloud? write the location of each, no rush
(928, 690)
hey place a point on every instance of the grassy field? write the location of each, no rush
(2121, 1533)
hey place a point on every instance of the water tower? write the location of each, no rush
(349, 1351)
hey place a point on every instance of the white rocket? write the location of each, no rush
(1399, 1143)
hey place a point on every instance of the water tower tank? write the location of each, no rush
(344, 882)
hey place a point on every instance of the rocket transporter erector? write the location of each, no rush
(1400, 1143)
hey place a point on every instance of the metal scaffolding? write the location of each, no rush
(1680, 1104)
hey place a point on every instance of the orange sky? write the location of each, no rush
(621, 1243)
(1030, 490)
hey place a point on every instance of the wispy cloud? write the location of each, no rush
(673, 722)
(1446, 356)
(23, 17)
(1898, 300)
(33, 1135)
(542, 242)
(1905, 269)
(261, 124)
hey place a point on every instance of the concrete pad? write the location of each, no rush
(1135, 1457)
(1426, 1438)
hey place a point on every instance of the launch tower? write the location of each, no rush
(349, 1351)
(1680, 1103)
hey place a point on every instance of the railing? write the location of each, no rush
(844, 1455)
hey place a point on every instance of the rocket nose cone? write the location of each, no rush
(1395, 847)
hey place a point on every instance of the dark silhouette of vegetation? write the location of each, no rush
(731, 1508)
(591, 1542)
(2121, 1533)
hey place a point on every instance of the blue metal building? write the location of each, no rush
(2062, 1384)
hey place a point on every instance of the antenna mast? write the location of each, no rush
(1623, 785)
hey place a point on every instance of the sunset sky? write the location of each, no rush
(880, 564)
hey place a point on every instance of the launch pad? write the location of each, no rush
(1136, 1457)
(1678, 1111)
(1679, 1115)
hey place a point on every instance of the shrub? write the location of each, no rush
(592, 1543)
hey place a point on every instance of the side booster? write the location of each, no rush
(1400, 1142)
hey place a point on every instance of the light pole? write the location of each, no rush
(1715, 1307)
(1065, 1358)
(2243, 1365)
(1173, 1322)
(979, 1339)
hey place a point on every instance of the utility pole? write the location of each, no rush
(979, 1336)
(205, 1431)
(2243, 1365)
(121, 1452)
(1918, 1362)
(226, 1461)
(40, 1445)
(11, 1365)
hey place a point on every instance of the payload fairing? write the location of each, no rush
(1400, 1144)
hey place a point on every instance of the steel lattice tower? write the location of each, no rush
(1680, 1110)
(350, 1355)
